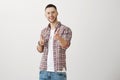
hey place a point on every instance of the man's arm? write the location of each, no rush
(40, 47)
(64, 42)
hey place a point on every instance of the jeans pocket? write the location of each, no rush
(40, 72)
(43, 74)
(62, 74)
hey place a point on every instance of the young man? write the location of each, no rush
(54, 40)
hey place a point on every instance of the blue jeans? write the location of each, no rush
(46, 75)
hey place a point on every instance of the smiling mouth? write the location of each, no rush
(51, 18)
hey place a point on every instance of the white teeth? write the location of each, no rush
(51, 18)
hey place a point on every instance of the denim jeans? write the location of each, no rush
(46, 75)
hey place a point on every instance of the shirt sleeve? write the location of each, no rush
(67, 35)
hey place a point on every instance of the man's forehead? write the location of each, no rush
(50, 9)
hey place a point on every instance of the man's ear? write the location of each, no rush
(57, 13)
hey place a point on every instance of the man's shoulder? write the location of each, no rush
(64, 27)
(44, 29)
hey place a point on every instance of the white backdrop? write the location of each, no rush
(95, 50)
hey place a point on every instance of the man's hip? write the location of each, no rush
(47, 75)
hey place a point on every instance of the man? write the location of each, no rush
(54, 40)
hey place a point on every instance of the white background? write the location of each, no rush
(95, 50)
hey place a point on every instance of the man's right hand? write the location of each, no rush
(42, 41)
(40, 46)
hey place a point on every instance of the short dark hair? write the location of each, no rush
(50, 5)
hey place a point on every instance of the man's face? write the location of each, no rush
(51, 14)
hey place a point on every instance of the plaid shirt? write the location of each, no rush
(58, 52)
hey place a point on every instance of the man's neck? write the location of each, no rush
(53, 25)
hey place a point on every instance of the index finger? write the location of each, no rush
(58, 30)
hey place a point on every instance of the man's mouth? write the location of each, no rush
(51, 18)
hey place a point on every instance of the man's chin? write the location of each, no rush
(51, 21)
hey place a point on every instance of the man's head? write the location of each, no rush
(51, 13)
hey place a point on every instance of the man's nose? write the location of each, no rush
(51, 14)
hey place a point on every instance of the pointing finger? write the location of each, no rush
(57, 30)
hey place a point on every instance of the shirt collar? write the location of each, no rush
(57, 26)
